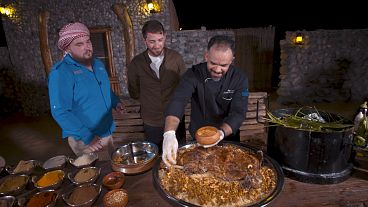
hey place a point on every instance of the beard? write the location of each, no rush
(215, 77)
(155, 52)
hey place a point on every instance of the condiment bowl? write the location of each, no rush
(45, 198)
(207, 135)
(7, 201)
(116, 198)
(57, 162)
(82, 195)
(84, 175)
(23, 167)
(84, 160)
(49, 180)
(13, 184)
(113, 180)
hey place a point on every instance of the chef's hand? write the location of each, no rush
(222, 135)
(169, 148)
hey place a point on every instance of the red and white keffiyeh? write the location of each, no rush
(71, 32)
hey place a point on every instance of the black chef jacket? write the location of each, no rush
(212, 102)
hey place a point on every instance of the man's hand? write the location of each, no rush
(120, 107)
(169, 148)
(222, 135)
(95, 145)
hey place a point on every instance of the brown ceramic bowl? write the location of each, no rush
(113, 180)
(116, 198)
(207, 135)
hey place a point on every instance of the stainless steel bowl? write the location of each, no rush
(67, 196)
(25, 200)
(52, 186)
(2, 163)
(16, 189)
(7, 201)
(267, 161)
(71, 175)
(15, 170)
(84, 160)
(57, 162)
(135, 157)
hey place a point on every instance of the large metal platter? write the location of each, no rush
(267, 161)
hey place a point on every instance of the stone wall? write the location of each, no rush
(4, 58)
(331, 66)
(22, 31)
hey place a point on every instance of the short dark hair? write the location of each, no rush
(222, 41)
(152, 26)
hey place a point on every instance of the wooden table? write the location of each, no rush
(140, 189)
(353, 192)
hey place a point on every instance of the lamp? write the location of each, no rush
(7, 10)
(299, 39)
(153, 6)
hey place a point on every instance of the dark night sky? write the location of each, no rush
(296, 15)
(287, 16)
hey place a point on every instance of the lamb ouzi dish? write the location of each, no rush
(225, 175)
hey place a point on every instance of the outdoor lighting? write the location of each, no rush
(153, 6)
(7, 10)
(299, 39)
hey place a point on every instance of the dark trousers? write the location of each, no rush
(155, 134)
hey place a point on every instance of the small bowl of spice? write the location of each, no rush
(84, 160)
(82, 195)
(49, 180)
(113, 180)
(84, 175)
(13, 184)
(23, 167)
(116, 198)
(45, 198)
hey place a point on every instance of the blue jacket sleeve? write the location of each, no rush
(61, 85)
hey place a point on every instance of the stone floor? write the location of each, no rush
(39, 138)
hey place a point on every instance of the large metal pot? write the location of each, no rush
(310, 156)
(267, 161)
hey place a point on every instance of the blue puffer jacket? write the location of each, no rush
(81, 101)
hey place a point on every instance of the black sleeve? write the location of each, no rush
(239, 105)
(182, 95)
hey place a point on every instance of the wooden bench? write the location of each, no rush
(129, 125)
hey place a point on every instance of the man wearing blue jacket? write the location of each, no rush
(218, 93)
(81, 99)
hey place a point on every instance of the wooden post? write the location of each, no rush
(121, 11)
(44, 41)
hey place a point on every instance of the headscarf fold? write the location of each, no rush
(71, 32)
